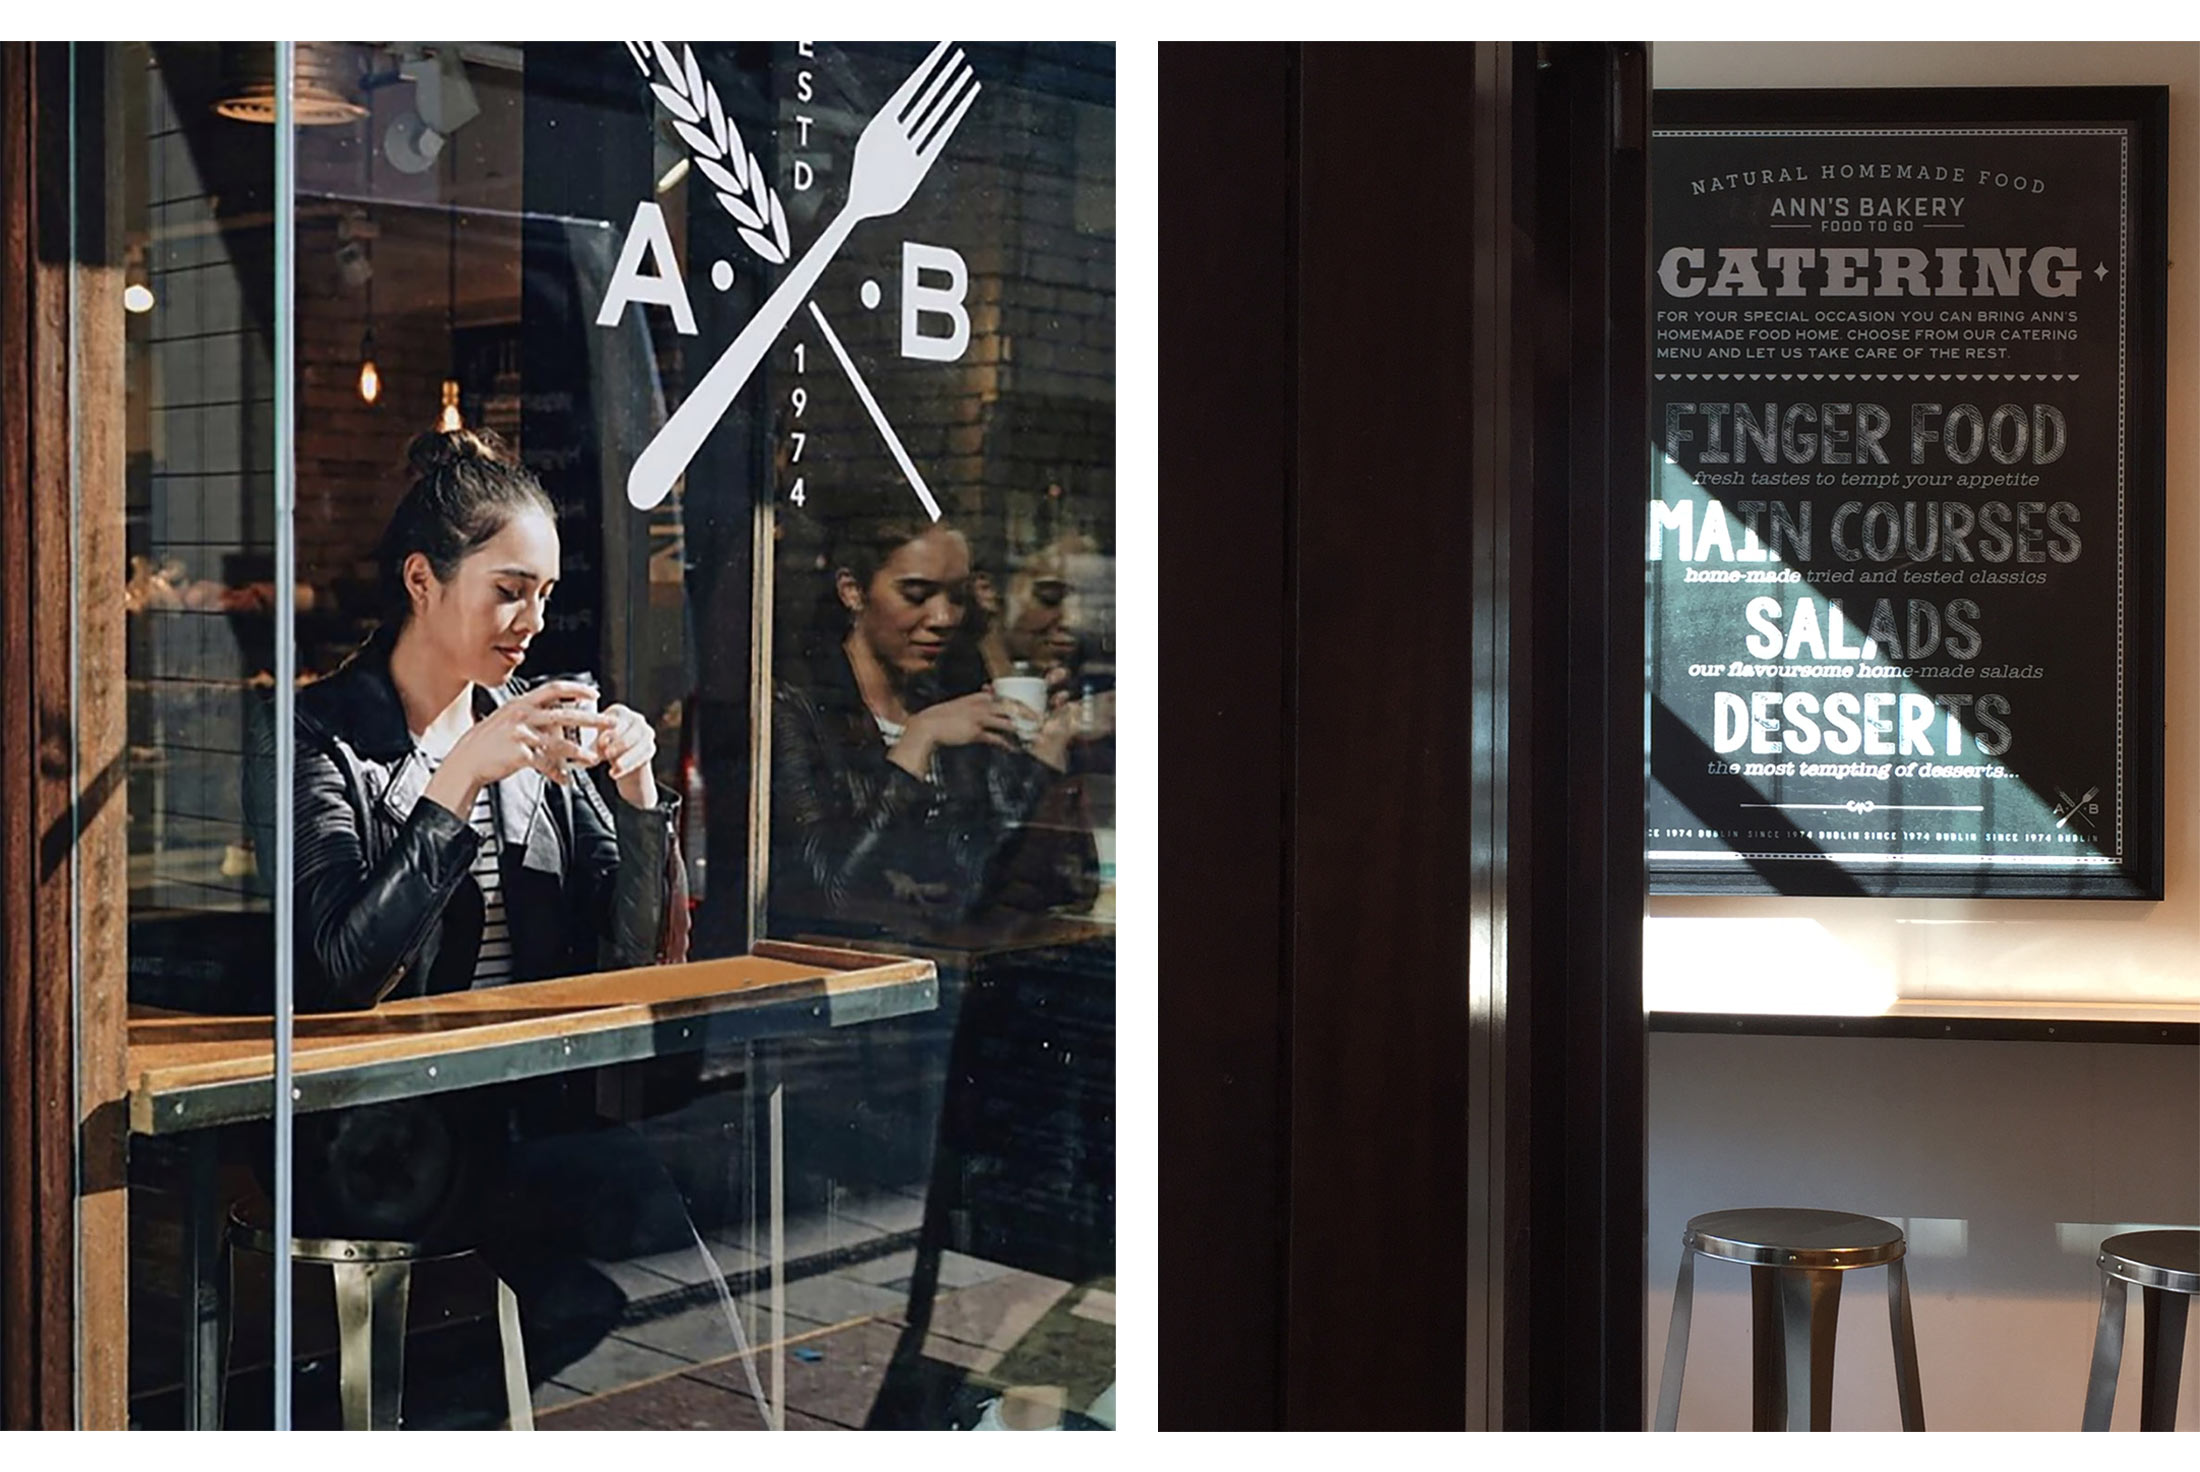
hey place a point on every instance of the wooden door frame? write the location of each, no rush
(63, 891)
(1403, 447)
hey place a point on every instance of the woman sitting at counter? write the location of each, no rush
(447, 835)
(451, 835)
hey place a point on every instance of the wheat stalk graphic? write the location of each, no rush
(714, 146)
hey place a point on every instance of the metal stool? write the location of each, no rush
(373, 1282)
(1796, 1258)
(2166, 1265)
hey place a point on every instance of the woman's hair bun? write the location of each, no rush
(441, 449)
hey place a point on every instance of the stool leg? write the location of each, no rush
(1767, 1370)
(519, 1406)
(1810, 1303)
(370, 1317)
(777, 1108)
(2162, 1334)
(392, 1288)
(1676, 1344)
(226, 1331)
(203, 1234)
(2108, 1355)
(354, 1344)
(1908, 1391)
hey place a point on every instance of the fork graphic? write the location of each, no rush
(896, 149)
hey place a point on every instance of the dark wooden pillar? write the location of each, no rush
(1382, 842)
(1577, 1287)
(1403, 462)
(1228, 483)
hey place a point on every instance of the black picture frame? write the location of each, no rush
(2053, 641)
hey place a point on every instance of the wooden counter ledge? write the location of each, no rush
(188, 1071)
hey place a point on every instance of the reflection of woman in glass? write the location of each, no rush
(892, 806)
(447, 837)
(1025, 620)
(1036, 619)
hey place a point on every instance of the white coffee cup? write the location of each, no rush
(1025, 690)
(582, 736)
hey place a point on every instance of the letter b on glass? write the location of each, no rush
(921, 303)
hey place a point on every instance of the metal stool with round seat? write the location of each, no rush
(2166, 1266)
(373, 1283)
(1796, 1257)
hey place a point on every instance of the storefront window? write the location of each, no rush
(906, 814)
(187, 205)
(702, 758)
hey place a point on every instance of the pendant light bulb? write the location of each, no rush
(450, 421)
(137, 298)
(370, 377)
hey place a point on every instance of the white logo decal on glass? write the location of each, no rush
(647, 236)
(893, 154)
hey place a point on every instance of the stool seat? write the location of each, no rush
(2165, 1260)
(2165, 1266)
(372, 1278)
(1797, 1257)
(1795, 1237)
(255, 1235)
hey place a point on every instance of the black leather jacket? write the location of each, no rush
(385, 905)
(860, 846)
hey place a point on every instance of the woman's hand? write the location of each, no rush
(980, 718)
(1071, 718)
(526, 731)
(628, 747)
(1094, 714)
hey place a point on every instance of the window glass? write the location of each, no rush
(961, 358)
(611, 360)
(181, 200)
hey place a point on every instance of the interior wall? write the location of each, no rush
(2006, 1162)
(1880, 950)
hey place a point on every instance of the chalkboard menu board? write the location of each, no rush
(1905, 554)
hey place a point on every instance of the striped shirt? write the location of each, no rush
(493, 963)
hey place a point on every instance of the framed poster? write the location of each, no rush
(1904, 565)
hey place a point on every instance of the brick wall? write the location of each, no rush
(351, 454)
(1017, 437)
